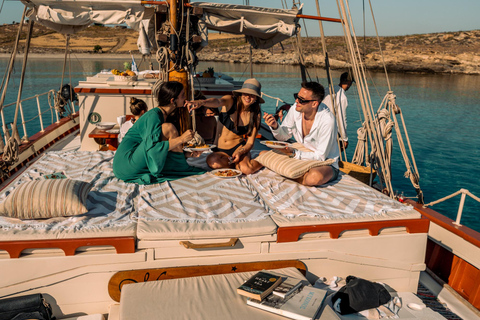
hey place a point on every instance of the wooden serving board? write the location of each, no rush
(135, 276)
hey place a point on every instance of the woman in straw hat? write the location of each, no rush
(240, 117)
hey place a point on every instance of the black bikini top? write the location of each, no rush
(224, 118)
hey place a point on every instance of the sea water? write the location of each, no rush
(442, 114)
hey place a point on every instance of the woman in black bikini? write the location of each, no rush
(240, 116)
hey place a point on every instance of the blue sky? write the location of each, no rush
(393, 17)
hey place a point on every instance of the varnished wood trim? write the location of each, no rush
(69, 246)
(455, 273)
(291, 234)
(190, 245)
(135, 276)
(464, 232)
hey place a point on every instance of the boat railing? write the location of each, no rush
(24, 122)
(278, 100)
(464, 194)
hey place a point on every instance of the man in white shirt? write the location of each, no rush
(311, 123)
(341, 106)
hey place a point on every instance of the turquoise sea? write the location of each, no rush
(442, 114)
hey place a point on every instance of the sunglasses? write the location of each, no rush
(301, 100)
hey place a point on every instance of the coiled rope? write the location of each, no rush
(360, 155)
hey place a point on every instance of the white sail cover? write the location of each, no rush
(263, 27)
(70, 16)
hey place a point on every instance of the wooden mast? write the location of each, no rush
(176, 72)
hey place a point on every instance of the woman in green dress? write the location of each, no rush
(152, 150)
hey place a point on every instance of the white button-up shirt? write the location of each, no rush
(322, 138)
(341, 109)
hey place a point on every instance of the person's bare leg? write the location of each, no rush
(316, 176)
(169, 132)
(219, 160)
(248, 165)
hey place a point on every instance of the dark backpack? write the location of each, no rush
(360, 294)
(31, 306)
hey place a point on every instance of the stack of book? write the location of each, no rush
(290, 297)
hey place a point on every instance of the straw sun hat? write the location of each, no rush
(252, 86)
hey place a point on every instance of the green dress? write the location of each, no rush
(143, 157)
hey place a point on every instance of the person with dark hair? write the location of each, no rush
(312, 124)
(341, 104)
(137, 107)
(206, 121)
(152, 150)
(240, 117)
(281, 112)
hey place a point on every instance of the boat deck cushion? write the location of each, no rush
(205, 297)
(110, 202)
(199, 207)
(340, 201)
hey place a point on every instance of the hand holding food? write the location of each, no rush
(237, 155)
(192, 105)
(196, 141)
(187, 136)
(270, 120)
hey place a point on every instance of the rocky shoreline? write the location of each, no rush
(444, 53)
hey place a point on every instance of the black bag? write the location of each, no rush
(360, 294)
(32, 306)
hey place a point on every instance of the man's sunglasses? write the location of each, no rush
(301, 100)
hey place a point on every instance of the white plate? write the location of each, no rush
(275, 144)
(210, 146)
(105, 125)
(416, 306)
(113, 131)
(237, 173)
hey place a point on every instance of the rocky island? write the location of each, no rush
(447, 52)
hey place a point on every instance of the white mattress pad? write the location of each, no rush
(344, 200)
(110, 202)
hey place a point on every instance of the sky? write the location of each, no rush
(393, 17)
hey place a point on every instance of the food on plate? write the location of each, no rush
(196, 141)
(199, 146)
(151, 75)
(128, 73)
(226, 173)
(274, 143)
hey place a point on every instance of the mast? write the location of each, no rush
(181, 58)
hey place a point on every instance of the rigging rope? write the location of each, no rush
(11, 148)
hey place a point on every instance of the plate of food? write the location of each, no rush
(113, 131)
(199, 147)
(226, 173)
(275, 144)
